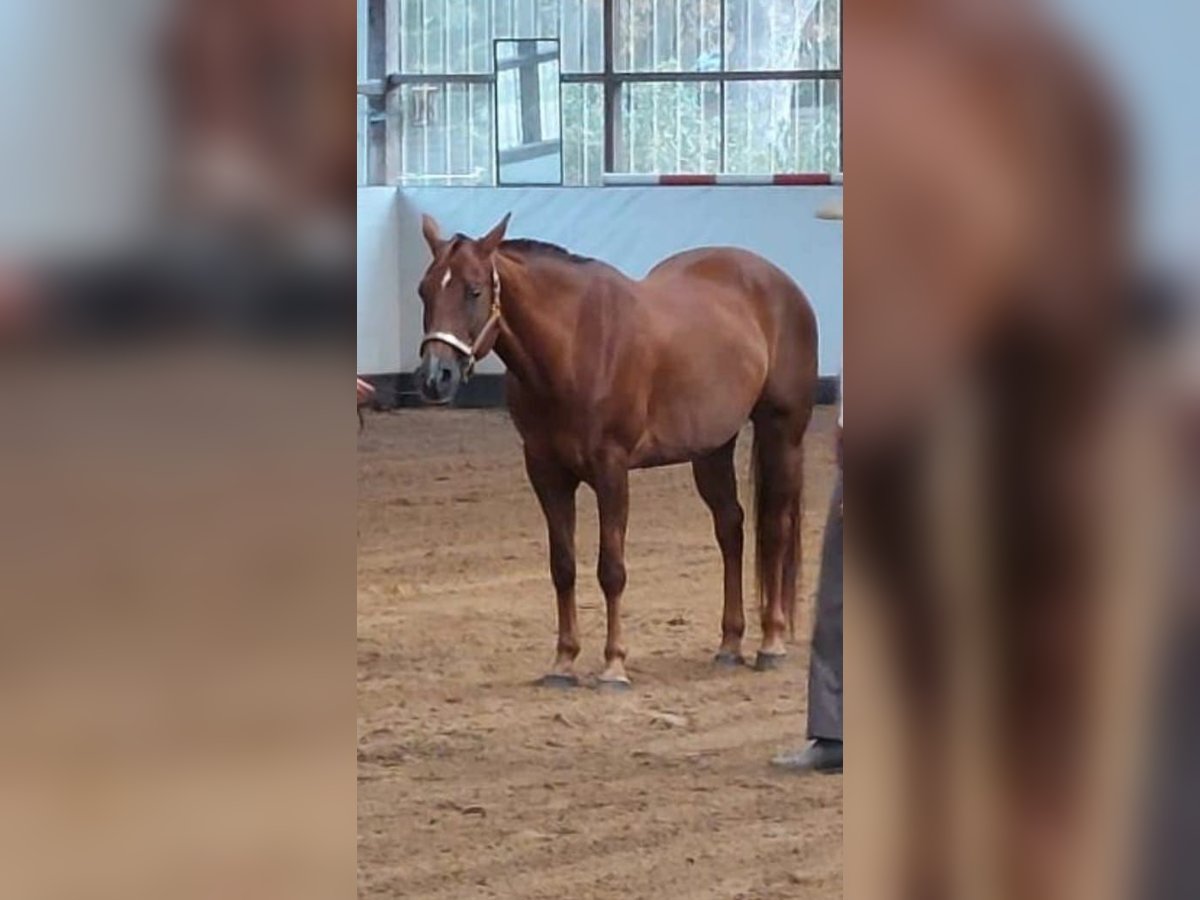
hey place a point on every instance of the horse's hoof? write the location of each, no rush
(613, 685)
(726, 659)
(768, 662)
(558, 680)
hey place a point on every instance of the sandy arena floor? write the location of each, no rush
(474, 783)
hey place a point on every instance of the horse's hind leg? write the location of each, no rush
(779, 465)
(555, 489)
(791, 552)
(716, 480)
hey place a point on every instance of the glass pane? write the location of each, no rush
(482, 151)
(363, 41)
(548, 96)
(455, 37)
(458, 129)
(583, 133)
(669, 127)
(508, 112)
(442, 134)
(667, 35)
(361, 155)
(412, 29)
(458, 57)
(827, 35)
(581, 35)
(432, 43)
(782, 34)
(479, 35)
(527, 105)
(782, 126)
(525, 18)
(445, 36)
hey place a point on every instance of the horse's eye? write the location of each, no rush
(475, 291)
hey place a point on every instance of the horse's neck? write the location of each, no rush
(539, 303)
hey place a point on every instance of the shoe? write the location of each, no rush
(823, 756)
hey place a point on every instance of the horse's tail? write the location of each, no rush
(791, 547)
(760, 550)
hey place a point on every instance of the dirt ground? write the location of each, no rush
(474, 783)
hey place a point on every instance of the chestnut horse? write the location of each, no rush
(607, 374)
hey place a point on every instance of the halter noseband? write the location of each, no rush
(470, 351)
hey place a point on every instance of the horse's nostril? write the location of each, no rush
(446, 373)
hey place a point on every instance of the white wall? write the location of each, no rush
(380, 255)
(538, 170)
(632, 228)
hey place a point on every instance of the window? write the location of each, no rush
(669, 127)
(698, 86)
(667, 35)
(529, 140)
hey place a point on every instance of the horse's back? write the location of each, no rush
(732, 265)
(731, 277)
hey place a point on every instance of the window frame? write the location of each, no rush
(380, 85)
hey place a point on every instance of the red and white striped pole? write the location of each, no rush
(796, 179)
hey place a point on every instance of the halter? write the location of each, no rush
(471, 351)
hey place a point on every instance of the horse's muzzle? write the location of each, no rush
(438, 378)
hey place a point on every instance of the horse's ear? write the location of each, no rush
(491, 241)
(433, 234)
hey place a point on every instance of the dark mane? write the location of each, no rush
(543, 248)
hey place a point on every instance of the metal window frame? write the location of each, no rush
(380, 84)
(750, 75)
(375, 171)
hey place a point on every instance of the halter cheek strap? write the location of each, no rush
(471, 351)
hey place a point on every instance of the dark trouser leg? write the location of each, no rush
(825, 663)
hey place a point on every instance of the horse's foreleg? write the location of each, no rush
(555, 488)
(612, 499)
(716, 481)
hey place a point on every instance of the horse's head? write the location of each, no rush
(460, 292)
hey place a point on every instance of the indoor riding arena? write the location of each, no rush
(624, 131)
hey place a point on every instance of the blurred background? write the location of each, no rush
(1020, 333)
(176, 335)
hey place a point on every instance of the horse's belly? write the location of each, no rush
(694, 434)
(652, 458)
(696, 407)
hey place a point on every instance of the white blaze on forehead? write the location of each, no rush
(446, 278)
